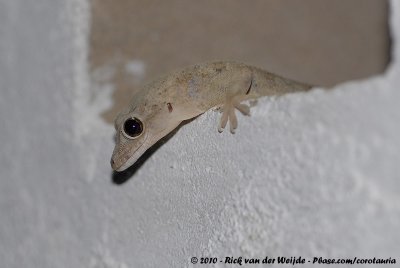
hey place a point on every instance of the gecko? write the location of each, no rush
(160, 106)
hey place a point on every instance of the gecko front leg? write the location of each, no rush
(238, 91)
(228, 113)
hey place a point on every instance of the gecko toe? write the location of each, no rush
(243, 108)
(233, 123)
(224, 119)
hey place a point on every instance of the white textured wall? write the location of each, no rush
(315, 174)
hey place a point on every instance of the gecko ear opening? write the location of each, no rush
(132, 128)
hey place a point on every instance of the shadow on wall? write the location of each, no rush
(119, 178)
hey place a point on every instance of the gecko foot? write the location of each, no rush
(228, 114)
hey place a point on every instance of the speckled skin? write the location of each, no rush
(164, 103)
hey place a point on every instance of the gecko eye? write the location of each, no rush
(133, 127)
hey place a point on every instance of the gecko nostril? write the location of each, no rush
(112, 162)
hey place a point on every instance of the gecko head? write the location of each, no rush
(139, 129)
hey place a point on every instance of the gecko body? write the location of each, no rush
(167, 101)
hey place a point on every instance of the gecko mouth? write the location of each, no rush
(125, 165)
(119, 165)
